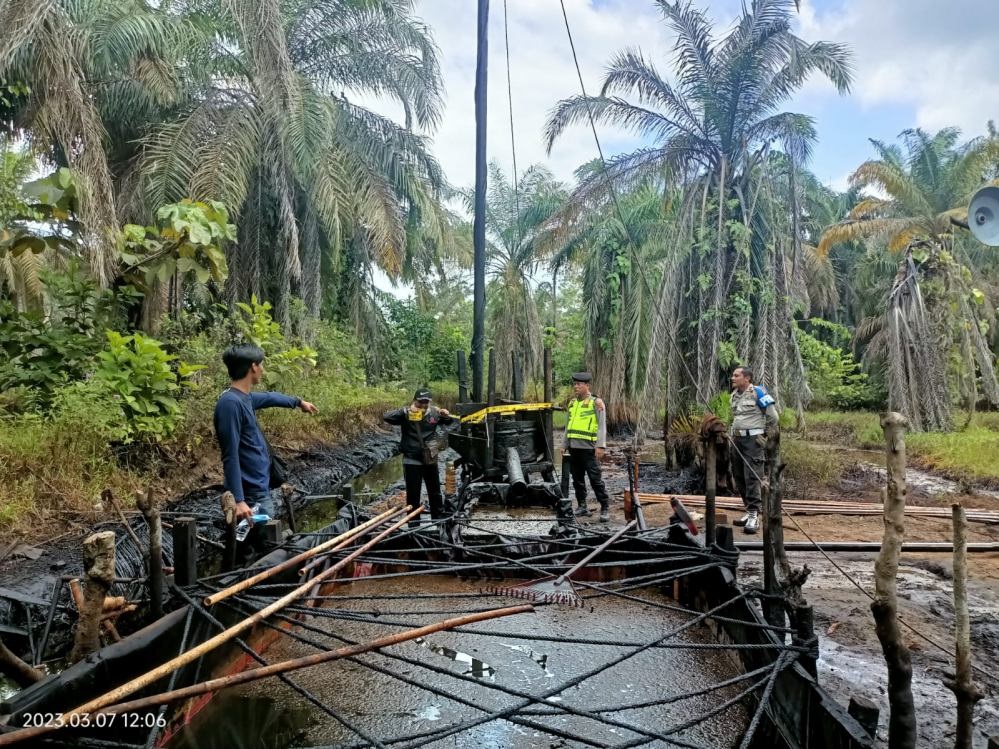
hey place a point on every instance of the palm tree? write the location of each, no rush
(918, 218)
(273, 126)
(615, 258)
(20, 273)
(244, 102)
(515, 217)
(95, 73)
(712, 133)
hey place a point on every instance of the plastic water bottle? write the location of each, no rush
(243, 528)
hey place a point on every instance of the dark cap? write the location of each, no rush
(422, 395)
(581, 377)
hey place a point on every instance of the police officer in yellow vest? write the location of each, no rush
(585, 443)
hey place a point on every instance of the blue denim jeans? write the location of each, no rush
(265, 502)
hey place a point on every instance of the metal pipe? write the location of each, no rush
(479, 221)
(514, 471)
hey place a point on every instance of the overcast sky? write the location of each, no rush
(919, 63)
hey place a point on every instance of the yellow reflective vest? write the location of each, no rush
(582, 420)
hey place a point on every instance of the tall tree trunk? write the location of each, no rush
(312, 261)
(719, 287)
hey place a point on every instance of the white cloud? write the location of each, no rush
(542, 73)
(942, 60)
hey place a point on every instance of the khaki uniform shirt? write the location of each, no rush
(746, 414)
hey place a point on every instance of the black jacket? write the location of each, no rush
(416, 434)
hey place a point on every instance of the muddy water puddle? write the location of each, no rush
(367, 486)
(449, 678)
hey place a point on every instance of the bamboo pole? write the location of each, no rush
(333, 543)
(98, 562)
(23, 674)
(902, 713)
(255, 674)
(150, 677)
(962, 685)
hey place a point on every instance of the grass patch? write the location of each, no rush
(860, 429)
(809, 465)
(53, 467)
(971, 455)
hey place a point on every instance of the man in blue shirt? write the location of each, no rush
(246, 457)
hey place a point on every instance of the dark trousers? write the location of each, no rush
(748, 466)
(583, 464)
(415, 477)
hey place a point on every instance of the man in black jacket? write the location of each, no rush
(419, 421)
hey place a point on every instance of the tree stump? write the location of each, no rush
(902, 712)
(98, 564)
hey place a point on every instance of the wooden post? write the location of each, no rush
(272, 532)
(185, 551)
(902, 712)
(288, 491)
(804, 635)
(866, 713)
(462, 378)
(98, 564)
(228, 534)
(22, 674)
(348, 493)
(773, 535)
(710, 489)
(145, 503)
(962, 686)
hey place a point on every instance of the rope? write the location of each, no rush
(513, 142)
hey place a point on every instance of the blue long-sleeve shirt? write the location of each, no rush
(246, 461)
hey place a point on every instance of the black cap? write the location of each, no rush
(422, 395)
(581, 377)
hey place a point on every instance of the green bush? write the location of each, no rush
(284, 359)
(136, 372)
(424, 345)
(834, 377)
(42, 352)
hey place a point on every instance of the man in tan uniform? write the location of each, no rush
(754, 420)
